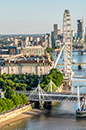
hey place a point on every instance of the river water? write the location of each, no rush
(62, 116)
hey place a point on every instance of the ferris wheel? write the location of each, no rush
(67, 52)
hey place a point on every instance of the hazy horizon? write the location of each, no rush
(37, 16)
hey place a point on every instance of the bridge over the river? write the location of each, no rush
(79, 50)
(72, 64)
(41, 96)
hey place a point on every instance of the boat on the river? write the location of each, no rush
(81, 112)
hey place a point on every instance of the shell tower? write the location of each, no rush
(68, 45)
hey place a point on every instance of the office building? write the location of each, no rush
(55, 31)
(52, 38)
(80, 30)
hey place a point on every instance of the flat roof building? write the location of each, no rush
(80, 29)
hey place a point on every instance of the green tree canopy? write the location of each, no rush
(57, 78)
(20, 99)
(48, 49)
(23, 96)
(1, 82)
(9, 93)
(15, 100)
(9, 103)
(3, 105)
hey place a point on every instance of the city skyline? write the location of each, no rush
(38, 17)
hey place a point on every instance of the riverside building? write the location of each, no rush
(39, 65)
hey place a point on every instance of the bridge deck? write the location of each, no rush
(72, 64)
(54, 97)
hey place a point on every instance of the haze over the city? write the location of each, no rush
(37, 16)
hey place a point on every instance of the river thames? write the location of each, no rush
(62, 116)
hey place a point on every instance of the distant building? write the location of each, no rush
(58, 32)
(27, 39)
(16, 42)
(56, 36)
(55, 31)
(12, 50)
(52, 38)
(47, 40)
(19, 43)
(31, 38)
(33, 50)
(80, 30)
(3, 51)
(72, 33)
(8, 39)
(38, 39)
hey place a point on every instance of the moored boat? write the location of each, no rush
(80, 113)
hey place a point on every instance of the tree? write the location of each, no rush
(23, 96)
(20, 77)
(0, 109)
(4, 76)
(10, 83)
(9, 103)
(17, 85)
(20, 99)
(5, 87)
(1, 82)
(15, 100)
(9, 76)
(3, 105)
(28, 87)
(8, 80)
(13, 76)
(49, 49)
(23, 88)
(56, 77)
(15, 80)
(24, 77)
(9, 93)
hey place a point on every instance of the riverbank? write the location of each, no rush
(26, 114)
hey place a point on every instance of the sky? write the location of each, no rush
(38, 16)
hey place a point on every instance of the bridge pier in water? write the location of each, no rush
(79, 66)
(47, 105)
(81, 52)
(38, 104)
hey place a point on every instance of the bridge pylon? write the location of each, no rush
(38, 95)
(49, 87)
